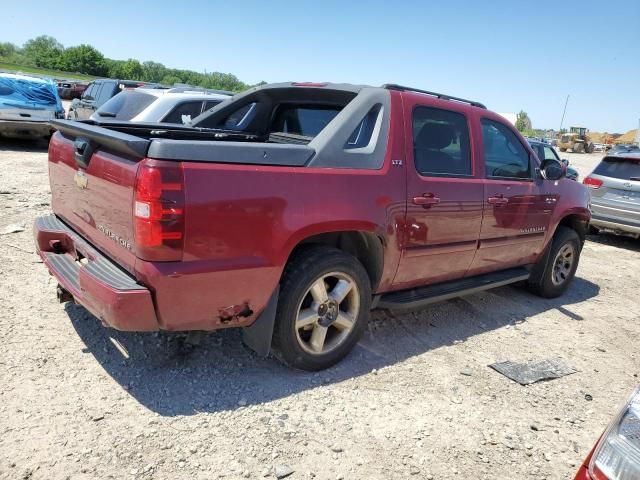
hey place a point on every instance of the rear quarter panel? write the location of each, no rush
(243, 221)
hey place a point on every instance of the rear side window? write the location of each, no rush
(361, 136)
(504, 155)
(441, 142)
(126, 105)
(620, 168)
(306, 120)
(189, 110)
(239, 119)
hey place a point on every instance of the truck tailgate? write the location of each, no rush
(92, 191)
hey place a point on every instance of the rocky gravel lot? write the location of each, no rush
(416, 399)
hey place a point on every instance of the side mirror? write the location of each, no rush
(552, 169)
(565, 161)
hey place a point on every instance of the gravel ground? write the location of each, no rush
(416, 398)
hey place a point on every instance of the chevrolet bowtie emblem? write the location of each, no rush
(81, 179)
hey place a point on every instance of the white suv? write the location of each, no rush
(159, 105)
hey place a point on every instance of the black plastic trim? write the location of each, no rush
(418, 297)
(231, 152)
(110, 139)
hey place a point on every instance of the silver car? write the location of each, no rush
(159, 105)
(615, 194)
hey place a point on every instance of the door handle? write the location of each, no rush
(426, 200)
(497, 200)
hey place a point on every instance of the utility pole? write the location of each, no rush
(563, 112)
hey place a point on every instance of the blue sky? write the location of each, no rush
(508, 56)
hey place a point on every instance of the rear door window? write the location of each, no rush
(97, 92)
(305, 120)
(188, 110)
(105, 93)
(619, 168)
(441, 142)
(504, 155)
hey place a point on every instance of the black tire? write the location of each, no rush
(563, 149)
(304, 270)
(545, 280)
(593, 230)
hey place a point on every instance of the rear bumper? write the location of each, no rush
(614, 219)
(93, 280)
(24, 129)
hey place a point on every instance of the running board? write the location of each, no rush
(419, 297)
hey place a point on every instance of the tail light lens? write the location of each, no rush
(617, 456)
(158, 211)
(592, 182)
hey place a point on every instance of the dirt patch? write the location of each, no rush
(416, 397)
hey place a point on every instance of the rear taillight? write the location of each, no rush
(592, 182)
(158, 211)
(617, 455)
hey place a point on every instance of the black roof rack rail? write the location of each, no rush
(393, 86)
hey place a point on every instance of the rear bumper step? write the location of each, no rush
(93, 280)
(418, 297)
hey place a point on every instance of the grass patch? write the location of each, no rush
(45, 72)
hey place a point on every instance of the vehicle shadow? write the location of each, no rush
(160, 372)
(20, 145)
(612, 240)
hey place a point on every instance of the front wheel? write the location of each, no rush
(325, 298)
(552, 276)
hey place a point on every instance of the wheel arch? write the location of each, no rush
(367, 247)
(576, 222)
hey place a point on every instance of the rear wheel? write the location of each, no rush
(553, 275)
(563, 149)
(325, 298)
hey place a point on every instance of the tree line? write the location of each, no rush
(46, 52)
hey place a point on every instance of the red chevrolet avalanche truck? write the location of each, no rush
(291, 210)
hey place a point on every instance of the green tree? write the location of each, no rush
(8, 51)
(43, 51)
(84, 59)
(523, 122)
(170, 80)
(131, 70)
(153, 71)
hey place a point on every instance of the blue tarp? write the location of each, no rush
(34, 94)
